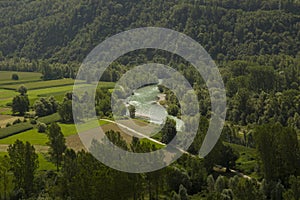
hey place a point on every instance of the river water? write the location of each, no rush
(145, 100)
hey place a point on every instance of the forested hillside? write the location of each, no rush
(64, 31)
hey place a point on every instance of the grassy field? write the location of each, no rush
(58, 91)
(37, 89)
(33, 95)
(5, 77)
(44, 163)
(36, 138)
(31, 136)
(40, 84)
(5, 94)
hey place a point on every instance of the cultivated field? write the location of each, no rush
(39, 84)
(37, 88)
(5, 77)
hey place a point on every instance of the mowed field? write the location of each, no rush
(5, 77)
(36, 87)
(36, 138)
(36, 90)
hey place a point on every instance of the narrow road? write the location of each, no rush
(181, 150)
(144, 136)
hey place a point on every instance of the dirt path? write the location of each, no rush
(38, 148)
(181, 150)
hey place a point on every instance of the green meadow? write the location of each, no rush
(24, 77)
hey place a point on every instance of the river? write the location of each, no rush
(145, 100)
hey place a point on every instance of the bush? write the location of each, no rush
(33, 121)
(17, 121)
(42, 127)
(15, 77)
(29, 115)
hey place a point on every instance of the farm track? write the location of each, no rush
(38, 148)
(181, 150)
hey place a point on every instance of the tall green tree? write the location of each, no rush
(65, 109)
(24, 163)
(293, 193)
(168, 131)
(45, 106)
(4, 176)
(57, 144)
(132, 110)
(20, 104)
(278, 150)
(22, 90)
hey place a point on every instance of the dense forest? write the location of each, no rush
(255, 44)
(62, 32)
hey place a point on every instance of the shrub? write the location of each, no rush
(33, 121)
(15, 77)
(17, 121)
(42, 127)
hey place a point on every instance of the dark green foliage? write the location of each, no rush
(220, 155)
(24, 163)
(4, 176)
(20, 104)
(294, 191)
(177, 177)
(202, 130)
(57, 144)
(103, 102)
(173, 110)
(278, 149)
(226, 31)
(65, 109)
(116, 139)
(168, 131)
(22, 90)
(82, 173)
(15, 77)
(183, 193)
(44, 107)
(233, 188)
(131, 109)
(42, 127)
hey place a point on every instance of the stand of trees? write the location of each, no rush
(20, 103)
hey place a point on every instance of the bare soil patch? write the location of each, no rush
(75, 143)
(4, 119)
